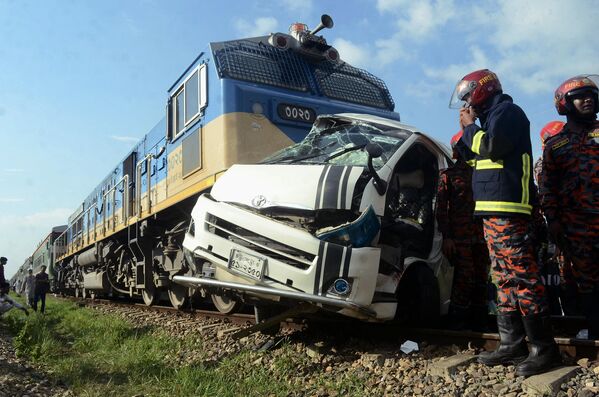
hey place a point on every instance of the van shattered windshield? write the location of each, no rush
(341, 145)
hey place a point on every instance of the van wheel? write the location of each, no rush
(225, 304)
(418, 298)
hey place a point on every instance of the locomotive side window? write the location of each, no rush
(192, 104)
(189, 100)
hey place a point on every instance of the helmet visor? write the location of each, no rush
(463, 89)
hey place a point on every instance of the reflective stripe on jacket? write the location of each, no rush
(502, 182)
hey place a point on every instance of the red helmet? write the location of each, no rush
(456, 138)
(480, 86)
(573, 86)
(550, 129)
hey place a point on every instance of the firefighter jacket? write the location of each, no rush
(570, 181)
(502, 182)
(455, 206)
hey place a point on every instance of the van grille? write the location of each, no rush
(258, 243)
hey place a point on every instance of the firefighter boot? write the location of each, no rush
(512, 348)
(590, 305)
(544, 353)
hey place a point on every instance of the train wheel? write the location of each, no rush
(150, 295)
(225, 304)
(178, 295)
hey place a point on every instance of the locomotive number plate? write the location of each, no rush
(247, 264)
(296, 113)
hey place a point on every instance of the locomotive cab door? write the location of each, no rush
(129, 169)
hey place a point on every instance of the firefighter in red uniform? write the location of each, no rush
(553, 256)
(570, 188)
(504, 193)
(549, 259)
(550, 129)
(463, 244)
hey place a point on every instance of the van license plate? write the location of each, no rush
(247, 264)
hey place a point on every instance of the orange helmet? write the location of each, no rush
(550, 129)
(456, 138)
(475, 89)
(576, 85)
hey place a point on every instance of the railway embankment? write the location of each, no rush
(98, 349)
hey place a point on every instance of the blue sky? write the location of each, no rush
(81, 81)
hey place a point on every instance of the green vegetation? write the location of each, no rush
(103, 355)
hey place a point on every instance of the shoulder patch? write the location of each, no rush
(559, 144)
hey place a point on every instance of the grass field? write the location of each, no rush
(102, 355)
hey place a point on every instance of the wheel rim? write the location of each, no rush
(224, 304)
(178, 296)
(150, 296)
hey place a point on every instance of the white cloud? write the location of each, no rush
(535, 44)
(478, 59)
(260, 27)
(294, 6)
(11, 200)
(13, 170)
(25, 232)
(416, 22)
(353, 54)
(122, 138)
(543, 42)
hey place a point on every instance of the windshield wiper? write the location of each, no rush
(346, 150)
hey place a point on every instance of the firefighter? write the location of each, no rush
(503, 192)
(547, 256)
(550, 129)
(463, 244)
(561, 282)
(570, 188)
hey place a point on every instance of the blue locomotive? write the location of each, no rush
(237, 102)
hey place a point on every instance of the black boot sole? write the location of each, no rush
(507, 361)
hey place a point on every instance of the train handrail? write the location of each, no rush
(125, 201)
(148, 160)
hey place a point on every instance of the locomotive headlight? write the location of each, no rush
(341, 287)
(332, 54)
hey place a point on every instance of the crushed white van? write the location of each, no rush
(343, 220)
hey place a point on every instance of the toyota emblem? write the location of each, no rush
(259, 201)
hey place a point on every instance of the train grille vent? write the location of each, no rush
(261, 63)
(258, 243)
(347, 83)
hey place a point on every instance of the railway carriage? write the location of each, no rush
(238, 101)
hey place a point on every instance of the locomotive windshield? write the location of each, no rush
(340, 145)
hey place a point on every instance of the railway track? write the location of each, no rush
(564, 327)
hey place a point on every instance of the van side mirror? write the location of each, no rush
(375, 151)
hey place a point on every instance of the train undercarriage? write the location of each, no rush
(138, 261)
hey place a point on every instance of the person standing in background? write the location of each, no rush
(570, 188)
(3, 261)
(42, 286)
(29, 287)
(463, 244)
